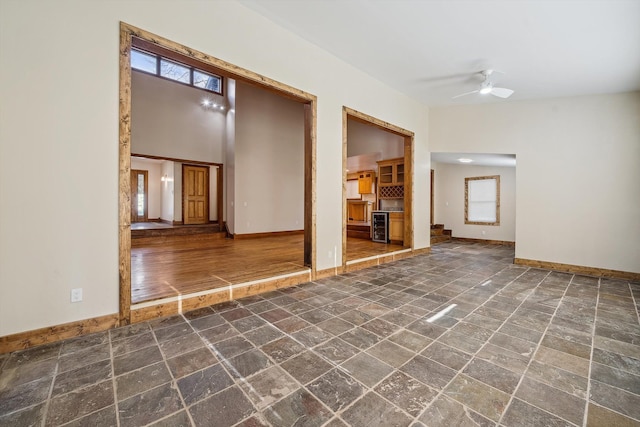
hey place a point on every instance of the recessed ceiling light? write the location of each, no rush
(464, 160)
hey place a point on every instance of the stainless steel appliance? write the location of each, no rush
(380, 226)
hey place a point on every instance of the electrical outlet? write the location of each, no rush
(76, 295)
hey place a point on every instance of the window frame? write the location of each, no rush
(466, 199)
(158, 71)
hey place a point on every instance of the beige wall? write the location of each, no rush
(168, 120)
(74, 147)
(578, 178)
(367, 139)
(269, 162)
(449, 201)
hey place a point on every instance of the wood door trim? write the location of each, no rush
(127, 32)
(408, 136)
(433, 175)
(137, 172)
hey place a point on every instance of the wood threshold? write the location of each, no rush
(176, 305)
(56, 333)
(579, 269)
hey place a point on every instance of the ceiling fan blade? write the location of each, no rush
(501, 92)
(466, 93)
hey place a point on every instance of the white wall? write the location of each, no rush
(76, 138)
(154, 190)
(269, 162)
(168, 120)
(578, 174)
(167, 190)
(449, 201)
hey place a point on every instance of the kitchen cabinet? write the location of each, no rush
(396, 227)
(358, 210)
(391, 172)
(365, 182)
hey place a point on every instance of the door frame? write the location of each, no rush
(225, 69)
(408, 136)
(433, 176)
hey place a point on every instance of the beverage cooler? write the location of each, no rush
(380, 226)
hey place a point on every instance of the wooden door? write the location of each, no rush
(195, 194)
(139, 195)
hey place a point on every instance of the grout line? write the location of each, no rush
(593, 339)
(460, 371)
(544, 334)
(174, 380)
(635, 303)
(113, 380)
(53, 381)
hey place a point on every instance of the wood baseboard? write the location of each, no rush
(579, 269)
(488, 242)
(146, 312)
(422, 251)
(267, 234)
(329, 272)
(52, 334)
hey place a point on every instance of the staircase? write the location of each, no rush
(359, 231)
(439, 234)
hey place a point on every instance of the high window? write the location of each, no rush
(482, 200)
(172, 70)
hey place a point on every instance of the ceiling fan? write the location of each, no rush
(487, 87)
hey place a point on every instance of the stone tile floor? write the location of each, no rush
(461, 337)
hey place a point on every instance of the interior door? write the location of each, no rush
(195, 194)
(139, 195)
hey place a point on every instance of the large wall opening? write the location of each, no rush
(129, 36)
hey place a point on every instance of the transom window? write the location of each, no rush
(172, 70)
(482, 200)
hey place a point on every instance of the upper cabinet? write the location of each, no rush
(391, 172)
(365, 182)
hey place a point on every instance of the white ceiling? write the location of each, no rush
(429, 49)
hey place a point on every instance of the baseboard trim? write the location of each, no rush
(56, 333)
(579, 269)
(329, 272)
(170, 306)
(267, 234)
(488, 242)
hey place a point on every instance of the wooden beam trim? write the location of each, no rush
(51, 334)
(172, 159)
(124, 179)
(233, 71)
(579, 269)
(367, 119)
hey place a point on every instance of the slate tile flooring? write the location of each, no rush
(461, 337)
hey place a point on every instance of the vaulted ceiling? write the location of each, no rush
(432, 49)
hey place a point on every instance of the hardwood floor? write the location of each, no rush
(361, 248)
(177, 265)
